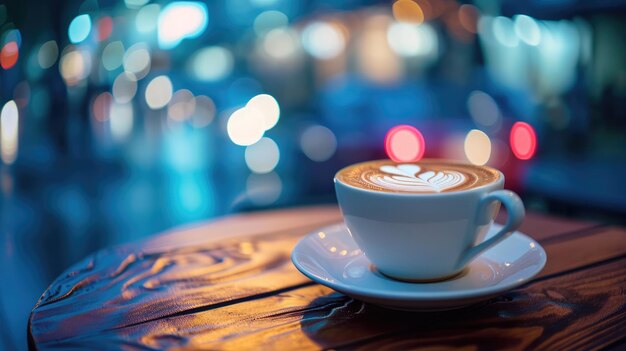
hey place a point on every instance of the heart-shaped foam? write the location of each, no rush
(407, 177)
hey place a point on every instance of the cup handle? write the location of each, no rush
(516, 212)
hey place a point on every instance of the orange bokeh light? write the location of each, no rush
(468, 17)
(404, 143)
(523, 140)
(9, 55)
(408, 11)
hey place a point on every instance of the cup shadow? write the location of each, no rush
(336, 321)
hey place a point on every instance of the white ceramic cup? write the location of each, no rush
(427, 236)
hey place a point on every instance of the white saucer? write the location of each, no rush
(330, 257)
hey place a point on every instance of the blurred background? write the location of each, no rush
(120, 119)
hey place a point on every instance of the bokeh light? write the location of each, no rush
(159, 92)
(75, 65)
(121, 120)
(135, 4)
(376, 60)
(182, 105)
(105, 28)
(246, 126)
(101, 107)
(323, 40)
(79, 28)
(113, 55)
(181, 20)
(407, 11)
(12, 35)
(412, 40)
(268, 107)
(137, 60)
(468, 17)
(281, 43)
(504, 31)
(204, 112)
(477, 147)
(124, 87)
(269, 20)
(147, 18)
(404, 143)
(523, 140)
(318, 143)
(212, 63)
(484, 110)
(9, 55)
(527, 30)
(9, 131)
(262, 156)
(263, 189)
(48, 54)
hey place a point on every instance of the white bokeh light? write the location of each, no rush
(159, 92)
(245, 126)
(280, 43)
(267, 106)
(408, 39)
(323, 40)
(137, 60)
(262, 156)
(121, 120)
(75, 66)
(477, 147)
(180, 20)
(9, 131)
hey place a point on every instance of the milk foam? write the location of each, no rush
(409, 177)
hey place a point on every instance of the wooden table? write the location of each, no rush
(230, 284)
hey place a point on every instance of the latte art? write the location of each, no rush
(407, 177)
(426, 176)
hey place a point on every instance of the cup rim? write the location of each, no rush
(421, 195)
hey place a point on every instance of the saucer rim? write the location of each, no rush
(460, 294)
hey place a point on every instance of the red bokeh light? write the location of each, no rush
(105, 28)
(523, 140)
(404, 143)
(9, 55)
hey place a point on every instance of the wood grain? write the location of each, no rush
(230, 285)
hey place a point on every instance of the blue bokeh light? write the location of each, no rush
(79, 29)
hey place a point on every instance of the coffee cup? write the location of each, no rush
(426, 220)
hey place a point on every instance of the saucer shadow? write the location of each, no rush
(336, 320)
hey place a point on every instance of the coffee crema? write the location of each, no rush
(425, 176)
